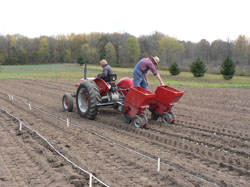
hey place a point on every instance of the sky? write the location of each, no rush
(188, 20)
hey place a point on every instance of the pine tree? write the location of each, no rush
(174, 69)
(198, 68)
(227, 68)
(80, 61)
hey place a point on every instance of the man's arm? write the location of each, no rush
(154, 71)
(146, 77)
(104, 73)
(159, 78)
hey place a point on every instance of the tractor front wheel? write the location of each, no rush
(67, 102)
(87, 98)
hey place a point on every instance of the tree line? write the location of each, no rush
(120, 49)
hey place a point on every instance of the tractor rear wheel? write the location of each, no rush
(67, 102)
(87, 98)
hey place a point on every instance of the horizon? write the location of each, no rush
(68, 34)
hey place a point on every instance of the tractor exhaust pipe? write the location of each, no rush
(85, 71)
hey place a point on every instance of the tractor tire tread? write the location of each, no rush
(70, 100)
(94, 99)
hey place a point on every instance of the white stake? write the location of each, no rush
(30, 106)
(67, 122)
(90, 180)
(20, 127)
(158, 165)
(12, 97)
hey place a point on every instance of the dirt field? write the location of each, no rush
(209, 145)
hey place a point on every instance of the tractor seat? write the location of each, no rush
(112, 78)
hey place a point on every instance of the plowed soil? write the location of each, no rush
(209, 144)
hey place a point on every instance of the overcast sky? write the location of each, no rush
(189, 20)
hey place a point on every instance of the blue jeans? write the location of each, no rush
(139, 79)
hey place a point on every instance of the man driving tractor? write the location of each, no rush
(107, 70)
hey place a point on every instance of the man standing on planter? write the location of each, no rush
(140, 73)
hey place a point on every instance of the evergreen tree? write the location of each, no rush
(174, 69)
(80, 61)
(227, 68)
(198, 68)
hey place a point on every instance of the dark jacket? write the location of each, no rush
(107, 70)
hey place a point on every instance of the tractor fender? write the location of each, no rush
(102, 85)
(124, 84)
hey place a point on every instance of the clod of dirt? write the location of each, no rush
(51, 159)
(19, 133)
(26, 136)
(57, 164)
(39, 151)
(172, 182)
(68, 146)
(72, 177)
(78, 183)
(222, 165)
(223, 183)
(3, 179)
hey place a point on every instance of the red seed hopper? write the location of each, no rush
(165, 98)
(136, 101)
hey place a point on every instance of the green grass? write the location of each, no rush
(54, 72)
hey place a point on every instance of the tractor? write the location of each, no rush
(94, 93)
